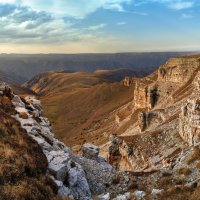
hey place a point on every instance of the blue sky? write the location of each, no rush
(90, 26)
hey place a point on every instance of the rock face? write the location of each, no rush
(128, 81)
(178, 70)
(114, 154)
(90, 151)
(143, 119)
(189, 122)
(67, 174)
(145, 96)
(162, 126)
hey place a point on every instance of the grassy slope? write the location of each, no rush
(74, 102)
(22, 162)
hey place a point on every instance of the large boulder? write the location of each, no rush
(90, 151)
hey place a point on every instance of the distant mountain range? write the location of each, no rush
(25, 67)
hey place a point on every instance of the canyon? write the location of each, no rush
(101, 138)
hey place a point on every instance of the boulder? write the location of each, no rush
(90, 151)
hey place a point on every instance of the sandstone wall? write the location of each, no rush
(178, 70)
(189, 122)
(144, 96)
(128, 81)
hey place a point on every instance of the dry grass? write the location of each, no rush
(196, 194)
(75, 104)
(198, 165)
(22, 162)
(185, 171)
(176, 193)
(194, 156)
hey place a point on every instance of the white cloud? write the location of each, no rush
(7, 1)
(121, 23)
(24, 25)
(180, 5)
(74, 8)
(186, 16)
(173, 4)
(96, 27)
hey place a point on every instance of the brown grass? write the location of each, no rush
(76, 104)
(22, 162)
(198, 165)
(194, 156)
(196, 194)
(184, 170)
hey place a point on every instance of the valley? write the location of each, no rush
(125, 130)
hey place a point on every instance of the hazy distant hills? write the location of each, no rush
(11, 77)
(27, 66)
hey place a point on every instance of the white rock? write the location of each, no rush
(90, 151)
(125, 196)
(104, 197)
(156, 192)
(18, 102)
(58, 171)
(139, 194)
(58, 155)
(64, 191)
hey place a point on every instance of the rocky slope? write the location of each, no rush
(44, 162)
(151, 141)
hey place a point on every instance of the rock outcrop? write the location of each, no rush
(178, 70)
(189, 122)
(128, 81)
(67, 174)
(90, 151)
(145, 96)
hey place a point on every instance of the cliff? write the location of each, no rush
(178, 70)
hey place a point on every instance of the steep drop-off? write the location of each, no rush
(75, 102)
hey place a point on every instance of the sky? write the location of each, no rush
(99, 26)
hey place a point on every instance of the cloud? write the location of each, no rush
(50, 21)
(121, 23)
(172, 4)
(71, 8)
(180, 5)
(96, 27)
(20, 24)
(187, 16)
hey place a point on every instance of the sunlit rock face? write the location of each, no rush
(189, 122)
(144, 96)
(178, 70)
(128, 81)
